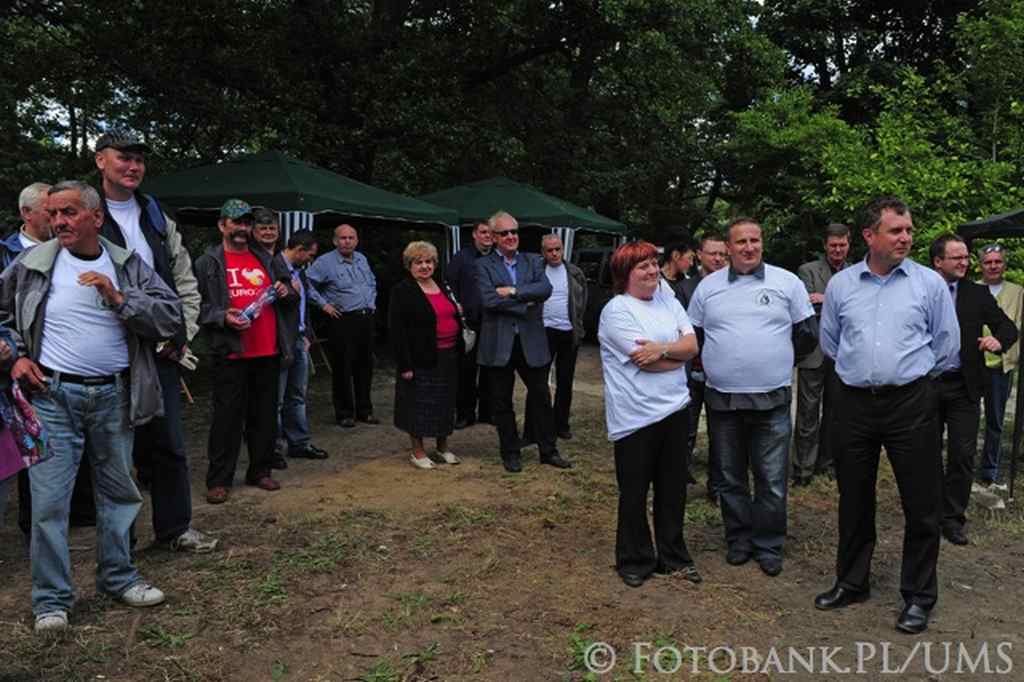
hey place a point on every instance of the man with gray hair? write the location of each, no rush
(35, 225)
(513, 289)
(85, 315)
(563, 325)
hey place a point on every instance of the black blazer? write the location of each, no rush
(975, 306)
(412, 326)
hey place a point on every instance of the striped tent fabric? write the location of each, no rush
(567, 235)
(293, 221)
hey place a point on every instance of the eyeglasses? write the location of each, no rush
(956, 258)
(992, 248)
(505, 233)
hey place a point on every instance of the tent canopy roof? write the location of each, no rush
(478, 201)
(280, 182)
(994, 227)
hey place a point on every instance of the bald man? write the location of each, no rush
(344, 288)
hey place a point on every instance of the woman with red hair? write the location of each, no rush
(646, 338)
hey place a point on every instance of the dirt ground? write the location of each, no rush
(365, 568)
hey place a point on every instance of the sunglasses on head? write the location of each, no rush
(992, 248)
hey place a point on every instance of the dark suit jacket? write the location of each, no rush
(501, 316)
(461, 277)
(975, 306)
(412, 327)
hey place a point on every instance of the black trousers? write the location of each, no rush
(351, 341)
(244, 399)
(958, 417)
(159, 455)
(473, 393)
(538, 404)
(905, 421)
(650, 457)
(563, 357)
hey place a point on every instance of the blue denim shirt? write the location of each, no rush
(346, 284)
(889, 331)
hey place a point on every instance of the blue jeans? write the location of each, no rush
(292, 424)
(997, 393)
(71, 413)
(757, 441)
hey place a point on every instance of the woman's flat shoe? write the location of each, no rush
(421, 462)
(448, 457)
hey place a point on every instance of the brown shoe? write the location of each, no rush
(217, 495)
(267, 483)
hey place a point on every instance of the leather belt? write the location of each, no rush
(361, 311)
(68, 378)
(885, 389)
(952, 375)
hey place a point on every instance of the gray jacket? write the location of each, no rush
(151, 312)
(577, 302)
(815, 276)
(522, 312)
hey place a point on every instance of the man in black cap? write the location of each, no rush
(135, 221)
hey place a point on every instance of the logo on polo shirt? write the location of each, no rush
(763, 297)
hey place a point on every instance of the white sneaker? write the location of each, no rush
(142, 594)
(193, 540)
(421, 462)
(999, 488)
(448, 457)
(52, 621)
(977, 488)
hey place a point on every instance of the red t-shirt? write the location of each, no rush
(246, 281)
(447, 325)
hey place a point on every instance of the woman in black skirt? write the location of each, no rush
(425, 326)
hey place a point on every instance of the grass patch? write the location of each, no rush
(156, 636)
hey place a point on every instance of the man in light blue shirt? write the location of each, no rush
(344, 288)
(756, 321)
(890, 325)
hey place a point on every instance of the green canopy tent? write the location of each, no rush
(478, 201)
(300, 191)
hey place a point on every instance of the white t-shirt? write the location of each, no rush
(994, 289)
(556, 308)
(634, 398)
(26, 241)
(81, 334)
(748, 328)
(127, 213)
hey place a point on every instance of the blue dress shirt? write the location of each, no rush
(347, 284)
(885, 331)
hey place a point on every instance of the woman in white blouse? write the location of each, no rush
(646, 338)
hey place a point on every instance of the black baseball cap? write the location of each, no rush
(121, 141)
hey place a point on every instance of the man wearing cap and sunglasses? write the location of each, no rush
(998, 367)
(135, 221)
(249, 347)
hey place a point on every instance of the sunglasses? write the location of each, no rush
(505, 233)
(992, 248)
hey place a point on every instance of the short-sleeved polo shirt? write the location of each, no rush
(748, 327)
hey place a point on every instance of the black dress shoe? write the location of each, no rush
(913, 619)
(737, 556)
(347, 423)
(369, 419)
(512, 463)
(308, 452)
(955, 535)
(838, 597)
(565, 434)
(557, 461)
(771, 565)
(278, 462)
(324, 454)
(633, 579)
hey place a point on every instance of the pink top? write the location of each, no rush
(447, 325)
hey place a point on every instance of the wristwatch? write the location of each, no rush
(664, 354)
